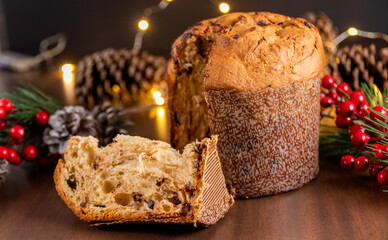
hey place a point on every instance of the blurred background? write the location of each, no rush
(93, 25)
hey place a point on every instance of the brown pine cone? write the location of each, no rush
(357, 64)
(111, 121)
(119, 76)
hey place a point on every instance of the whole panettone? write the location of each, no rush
(253, 80)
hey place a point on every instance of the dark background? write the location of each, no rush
(92, 25)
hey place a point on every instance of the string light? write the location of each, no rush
(356, 32)
(224, 7)
(143, 25)
(159, 100)
(352, 31)
(67, 70)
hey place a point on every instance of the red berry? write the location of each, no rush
(3, 125)
(357, 98)
(343, 89)
(17, 132)
(13, 157)
(375, 169)
(355, 128)
(30, 152)
(374, 116)
(2, 112)
(328, 82)
(364, 109)
(6, 104)
(382, 152)
(359, 139)
(347, 162)
(374, 147)
(361, 163)
(3, 153)
(327, 102)
(342, 122)
(382, 177)
(334, 96)
(42, 118)
(42, 160)
(347, 109)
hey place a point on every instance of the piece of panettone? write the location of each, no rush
(253, 80)
(135, 179)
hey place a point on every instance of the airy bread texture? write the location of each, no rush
(135, 179)
(229, 75)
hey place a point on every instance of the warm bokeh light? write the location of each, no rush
(68, 77)
(156, 94)
(224, 7)
(67, 68)
(143, 25)
(159, 101)
(116, 88)
(168, 0)
(161, 111)
(352, 31)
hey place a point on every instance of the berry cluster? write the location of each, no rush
(353, 112)
(16, 134)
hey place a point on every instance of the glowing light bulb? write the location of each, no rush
(159, 101)
(352, 31)
(156, 94)
(68, 77)
(67, 68)
(224, 7)
(143, 25)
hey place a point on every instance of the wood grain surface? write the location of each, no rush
(336, 205)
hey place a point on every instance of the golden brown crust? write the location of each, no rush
(258, 49)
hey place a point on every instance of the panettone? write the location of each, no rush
(253, 80)
(135, 179)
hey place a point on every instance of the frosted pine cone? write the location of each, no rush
(111, 121)
(3, 171)
(68, 122)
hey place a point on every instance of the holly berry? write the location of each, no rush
(375, 169)
(347, 109)
(361, 163)
(359, 139)
(2, 112)
(374, 147)
(328, 82)
(3, 153)
(334, 96)
(382, 177)
(30, 152)
(13, 157)
(327, 102)
(382, 152)
(355, 128)
(6, 104)
(357, 98)
(42, 118)
(3, 125)
(347, 162)
(17, 132)
(343, 89)
(374, 116)
(364, 109)
(342, 122)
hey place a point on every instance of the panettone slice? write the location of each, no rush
(135, 179)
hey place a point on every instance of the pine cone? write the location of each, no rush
(3, 171)
(326, 29)
(111, 121)
(357, 64)
(120, 76)
(68, 122)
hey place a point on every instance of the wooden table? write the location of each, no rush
(336, 205)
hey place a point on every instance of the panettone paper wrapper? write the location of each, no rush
(268, 139)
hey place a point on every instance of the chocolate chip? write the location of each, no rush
(235, 36)
(190, 189)
(261, 23)
(159, 182)
(186, 209)
(307, 24)
(72, 182)
(118, 185)
(206, 75)
(101, 206)
(175, 199)
(83, 204)
(151, 204)
(137, 197)
(95, 166)
(189, 70)
(261, 40)
(185, 37)
(280, 23)
(269, 86)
